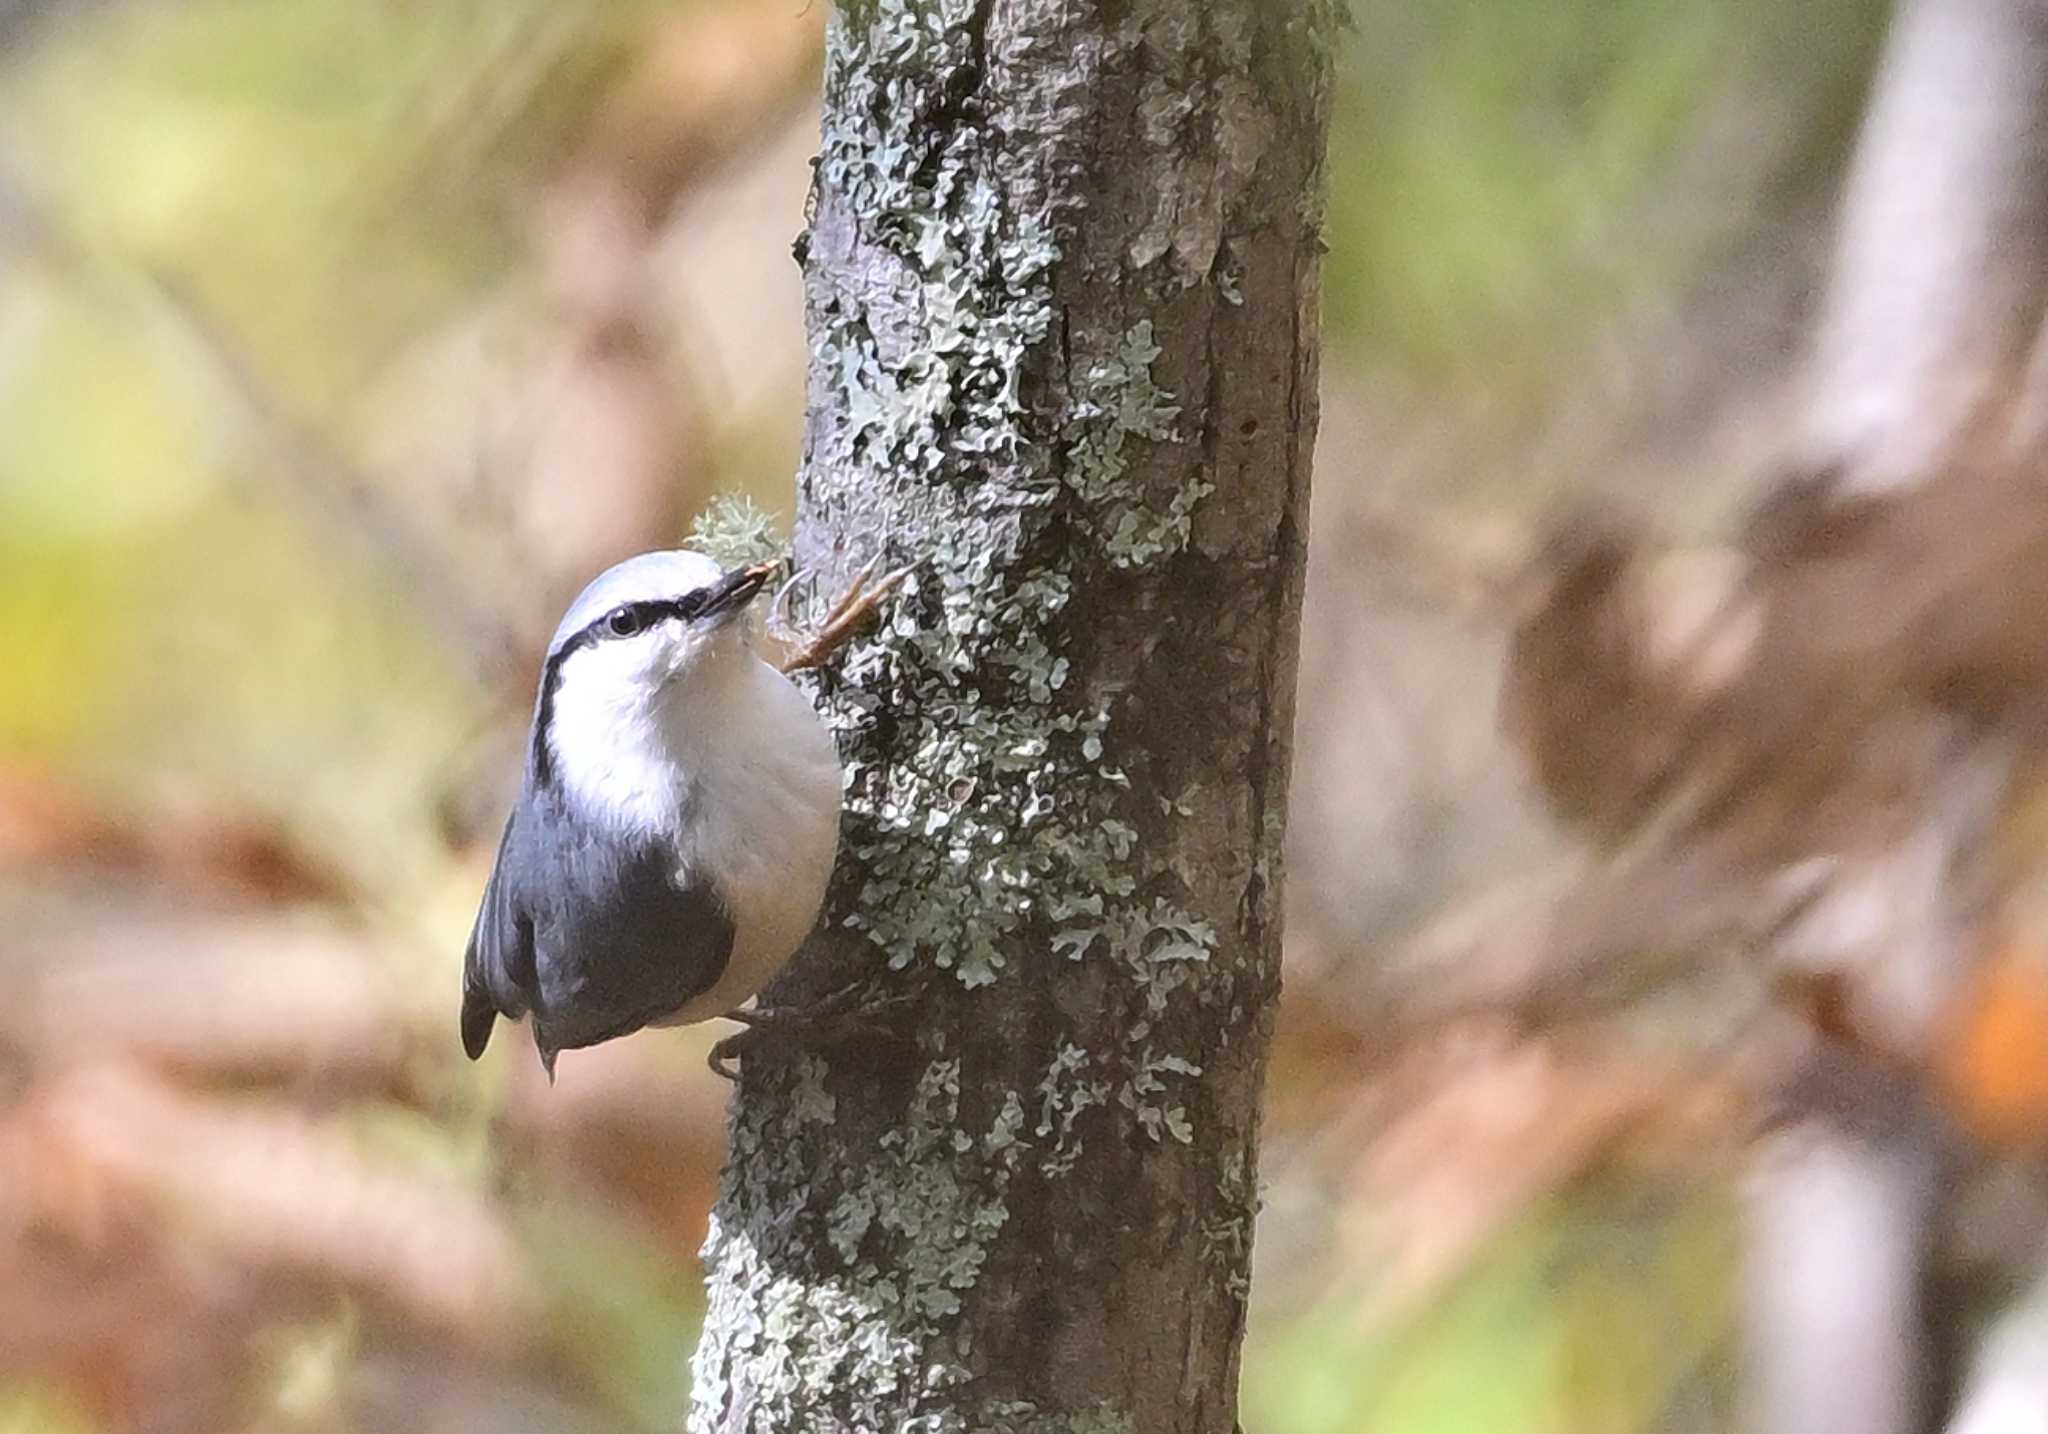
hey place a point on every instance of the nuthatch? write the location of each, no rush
(677, 826)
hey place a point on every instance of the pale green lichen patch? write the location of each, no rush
(1147, 1097)
(1115, 403)
(1227, 1234)
(734, 530)
(911, 1230)
(1065, 1094)
(810, 1103)
(936, 377)
(1018, 1417)
(1199, 107)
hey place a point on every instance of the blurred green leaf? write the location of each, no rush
(27, 1408)
(327, 176)
(629, 1314)
(1591, 1315)
(1508, 178)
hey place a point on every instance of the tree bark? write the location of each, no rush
(1061, 283)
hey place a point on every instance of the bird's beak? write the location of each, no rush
(735, 590)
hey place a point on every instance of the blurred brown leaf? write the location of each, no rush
(265, 1193)
(1476, 1128)
(712, 83)
(204, 847)
(292, 1003)
(638, 1125)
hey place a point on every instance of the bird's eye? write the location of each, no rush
(624, 622)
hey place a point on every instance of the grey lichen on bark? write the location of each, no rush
(1061, 280)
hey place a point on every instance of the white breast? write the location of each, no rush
(765, 826)
(739, 749)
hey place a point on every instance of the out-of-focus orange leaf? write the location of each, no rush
(145, 1330)
(42, 820)
(1994, 1064)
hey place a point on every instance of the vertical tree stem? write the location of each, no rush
(1061, 282)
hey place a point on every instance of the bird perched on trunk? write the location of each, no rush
(679, 818)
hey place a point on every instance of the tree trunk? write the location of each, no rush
(1062, 292)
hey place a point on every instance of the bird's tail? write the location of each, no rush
(479, 1015)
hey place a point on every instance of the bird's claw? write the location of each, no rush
(781, 612)
(727, 1050)
(842, 1012)
(856, 608)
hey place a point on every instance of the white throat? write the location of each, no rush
(627, 751)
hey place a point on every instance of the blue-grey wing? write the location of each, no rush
(620, 938)
(497, 969)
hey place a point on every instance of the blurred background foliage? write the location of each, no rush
(340, 340)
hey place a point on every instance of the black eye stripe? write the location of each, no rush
(633, 618)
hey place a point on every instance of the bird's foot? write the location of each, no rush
(856, 610)
(839, 1015)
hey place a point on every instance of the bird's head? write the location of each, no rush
(652, 627)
